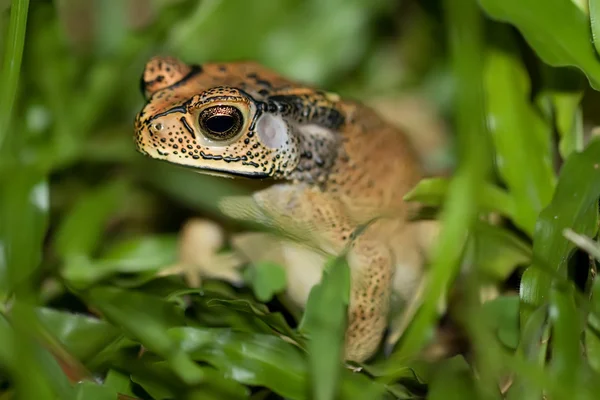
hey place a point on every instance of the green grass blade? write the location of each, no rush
(521, 137)
(574, 206)
(594, 7)
(11, 66)
(465, 33)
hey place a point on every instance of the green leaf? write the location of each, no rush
(156, 389)
(574, 206)
(325, 323)
(567, 329)
(118, 382)
(26, 362)
(143, 255)
(266, 279)
(433, 192)
(251, 359)
(592, 347)
(520, 135)
(594, 11)
(158, 380)
(275, 320)
(214, 306)
(557, 30)
(146, 318)
(502, 316)
(24, 203)
(532, 347)
(91, 391)
(11, 66)
(561, 96)
(83, 336)
(498, 251)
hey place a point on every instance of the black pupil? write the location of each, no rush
(220, 123)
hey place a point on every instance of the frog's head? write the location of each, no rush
(215, 119)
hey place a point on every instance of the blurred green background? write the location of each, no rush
(499, 95)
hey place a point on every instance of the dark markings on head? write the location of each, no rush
(188, 127)
(180, 109)
(195, 69)
(305, 110)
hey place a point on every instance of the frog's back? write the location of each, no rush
(378, 165)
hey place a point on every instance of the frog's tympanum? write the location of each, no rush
(339, 175)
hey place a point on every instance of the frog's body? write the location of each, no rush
(340, 167)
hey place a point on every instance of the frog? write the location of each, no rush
(337, 175)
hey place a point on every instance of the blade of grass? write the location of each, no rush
(325, 319)
(594, 6)
(521, 137)
(574, 206)
(433, 192)
(11, 67)
(460, 211)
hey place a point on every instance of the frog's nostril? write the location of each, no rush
(158, 126)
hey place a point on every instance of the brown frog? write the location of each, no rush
(339, 170)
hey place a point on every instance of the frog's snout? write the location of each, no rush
(151, 138)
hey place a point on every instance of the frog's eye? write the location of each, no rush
(221, 122)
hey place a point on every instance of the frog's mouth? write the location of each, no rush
(230, 174)
(205, 170)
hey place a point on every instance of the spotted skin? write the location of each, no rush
(335, 163)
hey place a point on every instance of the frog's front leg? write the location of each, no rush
(200, 242)
(321, 223)
(371, 268)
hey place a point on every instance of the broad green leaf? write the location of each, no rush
(83, 336)
(433, 192)
(264, 360)
(24, 203)
(567, 329)
(146, 318)
(216, 386)
(592, 347)
(213, 306)
(144, 255)
(498, 251)
(325, 323)
(532, 347)
(82, 229)
(520, 135)
(251, 359)
(266, 279)
(592, 333)
(557, 30)
(157, 388)
(502, 316)
(574, 206)
(92, 391)
(274, 319)
(561, 97)
(594, 12)
(118, 382)
(26, 362)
